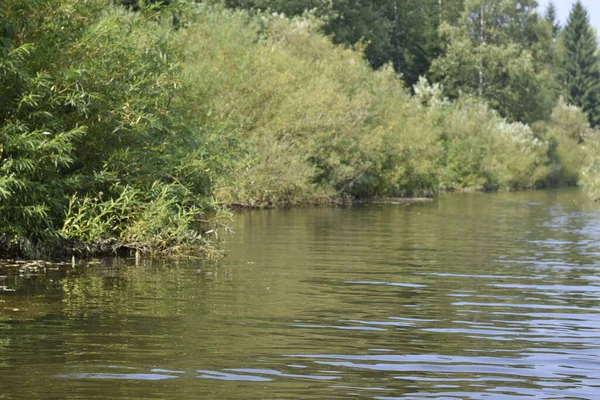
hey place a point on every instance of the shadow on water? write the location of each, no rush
(472, 296)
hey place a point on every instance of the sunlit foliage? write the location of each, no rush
(88, 114)
(131, 127)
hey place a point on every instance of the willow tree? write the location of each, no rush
(90, 118)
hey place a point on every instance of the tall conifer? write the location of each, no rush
(581, 73)
(552, 19)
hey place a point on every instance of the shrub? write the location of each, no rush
(590, 174)
(481, 150)
(90, 106)
(567, 130)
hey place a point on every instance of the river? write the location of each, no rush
(471, 296)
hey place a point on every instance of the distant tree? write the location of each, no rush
(372, 22)
(450, 11)
(547, 52)
(550, 16)
(401, 32)
(491, 53)
(581, 72)
(415, 40)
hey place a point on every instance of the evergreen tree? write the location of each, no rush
(547, 51)
(581, 73)
(552, 19)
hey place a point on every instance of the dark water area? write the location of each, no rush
(471, 296)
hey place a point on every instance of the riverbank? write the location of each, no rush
(172, 114)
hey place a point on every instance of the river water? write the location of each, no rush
(471, 296)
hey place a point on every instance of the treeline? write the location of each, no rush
(131, 126)
(499, 50)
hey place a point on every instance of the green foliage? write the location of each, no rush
(590, 173)
(89, 105)
(123, 129)
(400, 32)
(315, 123)
(483, 151)
(152, 220)
(567, 130)
(574, 149)
(552, 19)
(581, 73)
(491, 54)
(500, 51)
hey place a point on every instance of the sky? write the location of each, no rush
(563, 7)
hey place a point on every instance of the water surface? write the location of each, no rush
(472, 296)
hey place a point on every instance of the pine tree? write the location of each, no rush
(581, 72)
(551, 18)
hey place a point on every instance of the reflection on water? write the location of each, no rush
(473, 296)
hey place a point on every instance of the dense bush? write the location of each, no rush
(590, 174)
(576, 149)
(484, 152)
(89, 112)
(567, 130)
(316, 122)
